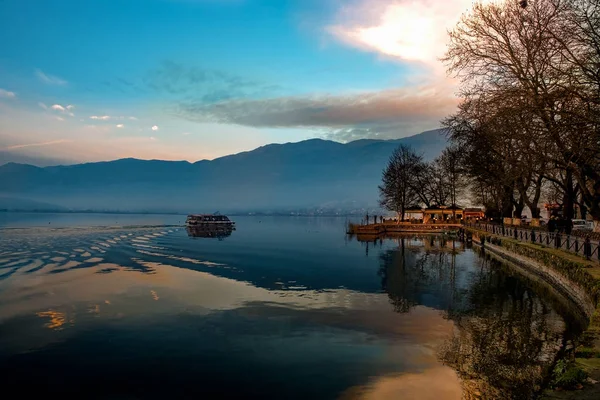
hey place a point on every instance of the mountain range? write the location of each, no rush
(274, 178)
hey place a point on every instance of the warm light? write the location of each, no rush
(57, 318)
(404, 32)
(409, 30)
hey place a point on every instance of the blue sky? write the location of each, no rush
(195, 79)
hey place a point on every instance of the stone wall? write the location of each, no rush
(570, 277)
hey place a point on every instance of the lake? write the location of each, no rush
(132, 306)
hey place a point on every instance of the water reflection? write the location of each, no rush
(283, 308)
(506, 334)
(209, 232)
(57, 319)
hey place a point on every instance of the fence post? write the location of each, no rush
(587, 248)
(515, 233)
(532, 236)
(557, 240)
(548, 239)
(568, 242)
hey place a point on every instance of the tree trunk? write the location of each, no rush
(519, 206)
(534, 203)
(507, 202)
(569, 196)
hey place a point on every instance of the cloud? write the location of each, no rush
(59, 118)
(49, 79)
(107, 117)
(413, 31)
(120, 125)
(57, 107)
(389, 113)
(45, 107)
(22, 146)
(206, 85)
(152, 138)
(155, 128)
(186, 133)
(6, 94)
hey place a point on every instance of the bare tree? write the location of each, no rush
(540, 65)
(400, 186)
(450, 163)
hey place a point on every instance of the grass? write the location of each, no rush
(568, 375)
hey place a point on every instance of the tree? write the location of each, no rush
(450, 164)
(488, 151)
(535, 69)
(432, 184)
(400, 185)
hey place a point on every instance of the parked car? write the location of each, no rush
(582, 225)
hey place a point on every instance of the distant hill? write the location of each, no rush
(276, 177)
(8, 157)
(15, 204)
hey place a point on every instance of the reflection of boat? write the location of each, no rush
(219, 232)
(209, 221)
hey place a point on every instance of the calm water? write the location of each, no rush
(117, 306)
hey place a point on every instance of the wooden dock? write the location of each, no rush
(391, 228)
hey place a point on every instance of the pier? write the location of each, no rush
(391, 228)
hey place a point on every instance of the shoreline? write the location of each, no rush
(570, 276)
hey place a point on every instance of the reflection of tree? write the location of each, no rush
(412, 270)
(504, 341)
(506, 336)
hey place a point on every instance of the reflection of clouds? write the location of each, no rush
(154, 295)
(423, 325)
(57, 318)
(184, 259)
(440, 383)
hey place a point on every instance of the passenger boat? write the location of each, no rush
(209, 221)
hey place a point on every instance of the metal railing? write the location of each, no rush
(584, 247)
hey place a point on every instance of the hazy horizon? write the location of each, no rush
(11, 157)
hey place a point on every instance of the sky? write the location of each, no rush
(198, 79)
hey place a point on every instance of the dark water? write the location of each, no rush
(282, 308)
